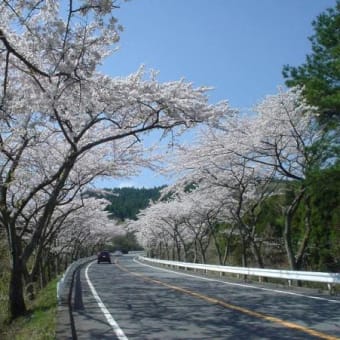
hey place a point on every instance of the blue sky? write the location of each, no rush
(236, 46)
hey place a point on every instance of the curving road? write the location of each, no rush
(132, 300)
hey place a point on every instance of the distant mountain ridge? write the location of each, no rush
(126, 203)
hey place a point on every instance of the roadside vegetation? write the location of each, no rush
(39, 323)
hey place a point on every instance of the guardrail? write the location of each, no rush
(321, 277)
(64, 284)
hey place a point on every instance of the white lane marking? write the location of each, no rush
(118, 331)
(240, 284)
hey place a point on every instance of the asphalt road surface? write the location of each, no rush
(132, 300)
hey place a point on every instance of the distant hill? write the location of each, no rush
(126, 203)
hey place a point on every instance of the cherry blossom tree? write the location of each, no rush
(242, 186)
(163, 226)
(85, 225)
(201, 210)
(283, 138)
(182, 222)
(286, 138)
(151, 234)
(231, 188)
(76, 228)
(58, 111)
(244, 158)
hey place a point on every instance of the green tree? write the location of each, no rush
(325, 200)
(320, 74)
(125, 242)
(126, 203)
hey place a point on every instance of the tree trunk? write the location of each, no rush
(244, 254)
(218, 248)
(287, 233)
(203, 252)
(168, 251)
(227, 246)
(160, 250)
(306, 236)
(257, 254)
(173, 258)
(17, 305)
(195, 260)
(178, 251)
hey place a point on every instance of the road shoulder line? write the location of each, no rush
(118, 331)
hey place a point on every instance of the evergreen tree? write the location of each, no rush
(320, 74)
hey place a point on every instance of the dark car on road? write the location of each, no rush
(104, 256)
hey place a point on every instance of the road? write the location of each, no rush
(132, 300)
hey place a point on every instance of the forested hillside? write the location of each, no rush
(126, 203)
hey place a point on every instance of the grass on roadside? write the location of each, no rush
(40, 322)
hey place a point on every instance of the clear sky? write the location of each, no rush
(236, 46)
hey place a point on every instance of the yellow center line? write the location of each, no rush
(243, 310)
